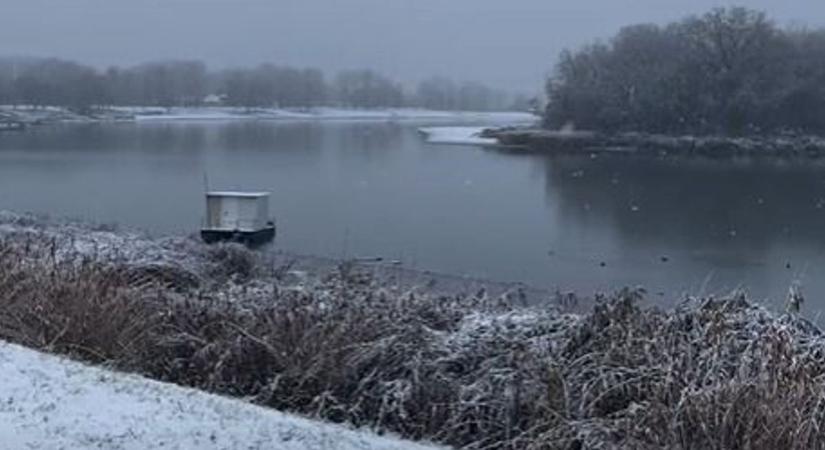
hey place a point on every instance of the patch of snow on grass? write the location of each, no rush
(47, 402)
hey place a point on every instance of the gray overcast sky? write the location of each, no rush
(506, 43)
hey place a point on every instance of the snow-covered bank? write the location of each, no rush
(719, 146)
(47, 402)
(42, 115)
(187, 254)
(391, 114)
(457, 136)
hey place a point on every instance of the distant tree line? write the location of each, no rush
(729, 71)
(53, 82)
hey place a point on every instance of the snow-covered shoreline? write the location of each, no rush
(196, 114)
(457, 136)
(186, 253)
(48, 402)
(390, 114)
(656, 145)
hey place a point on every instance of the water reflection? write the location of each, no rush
(371, 140)
(746, 204)
(252, 136)
(751, 222)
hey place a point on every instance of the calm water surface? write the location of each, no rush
(376, 189)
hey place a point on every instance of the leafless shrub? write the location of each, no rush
(75, 307)
(231, 261)
(280, 271)
(157, 275)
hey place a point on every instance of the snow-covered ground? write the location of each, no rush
(47, 402)
(457, 135)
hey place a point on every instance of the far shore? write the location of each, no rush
(48, 115)
(597, 143)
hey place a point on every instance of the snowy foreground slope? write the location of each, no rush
(47, 402)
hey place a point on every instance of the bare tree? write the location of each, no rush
(728, 71)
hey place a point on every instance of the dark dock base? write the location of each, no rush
(248, 238)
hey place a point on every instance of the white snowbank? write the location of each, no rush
(457, 135)
(47, 402)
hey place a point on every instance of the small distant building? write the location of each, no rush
(11, 125)
(214, 100)
(239, 217)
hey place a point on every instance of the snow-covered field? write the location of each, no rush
(47, 402)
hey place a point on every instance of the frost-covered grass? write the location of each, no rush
(462, 370)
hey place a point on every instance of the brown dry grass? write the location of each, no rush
(469, 372)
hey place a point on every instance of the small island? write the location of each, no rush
(728, 83)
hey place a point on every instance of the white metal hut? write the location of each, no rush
(238, 216)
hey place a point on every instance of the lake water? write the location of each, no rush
(360, 189)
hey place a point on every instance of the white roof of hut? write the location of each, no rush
(237, 194)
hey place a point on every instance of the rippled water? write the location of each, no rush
(348, 189)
